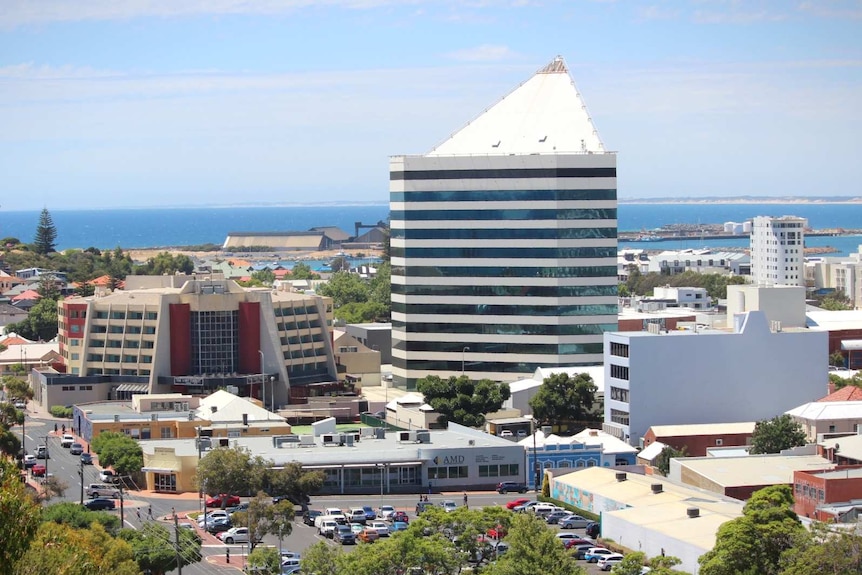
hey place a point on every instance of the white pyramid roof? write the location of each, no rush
(545, 114)
(230, 408)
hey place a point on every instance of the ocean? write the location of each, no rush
(165, 227)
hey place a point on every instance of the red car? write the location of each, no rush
(568, 543)
(39, 470)
(222, 500)
(400, 516)
(515, 502)
(497, 532)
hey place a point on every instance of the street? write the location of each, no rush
(67, 468)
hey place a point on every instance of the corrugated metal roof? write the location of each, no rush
(752, 469)
(703, 429)
(828, 410)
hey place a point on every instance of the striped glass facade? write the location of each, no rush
(501, 264)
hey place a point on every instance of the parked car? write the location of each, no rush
(543, 509)
(507, 433)
(29, 461)
(39, 470)
(607, 562)
(505, 487)
(569, 543)
(357, 528)
(309, 516)
(515, 502)
(593, 529)
(568, 535)
(212, 516)
(235, 508)
(554, 517)
(398, 526)
(385, 512)
(42, 452)
(579, 550)
(368, 535)
(76, 449)
(522, 433)
(327, 528)
(525, 507)
(370, 514)
(422, 506)
(218, 525)
(344, 535)
(301, 500)
(67, 441)
(107, 476)
(223, 500)
(99, 504)
(497, 532)
(593, 554)
(102, 490)
(20, 404)
(448, 506)
(381, 527)
(573, 521)
(235, 535)
(87, 458)
(356, 515)
(401, 516)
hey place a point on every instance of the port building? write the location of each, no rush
(778, 250)
(504, 241)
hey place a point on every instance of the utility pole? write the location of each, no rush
(177, 540)
(122, 520)
(81, 473)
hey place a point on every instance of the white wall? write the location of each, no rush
(651, 541)
(780, 303)
(713, 377)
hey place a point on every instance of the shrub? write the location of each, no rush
(61, 411)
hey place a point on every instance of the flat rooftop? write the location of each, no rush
(753, 469)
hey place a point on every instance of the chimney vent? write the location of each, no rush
(693, 512)
(656, 487)
(621, 476)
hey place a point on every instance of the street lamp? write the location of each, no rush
(463, 358)
(535, 456)
(271, 395)
(262, 378)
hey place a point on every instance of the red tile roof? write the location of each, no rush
(846, 393)
(28, 294)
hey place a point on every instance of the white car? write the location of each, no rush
(381, 527)
(212, 516)
(449, 506)
(234, 535)
(506, 433)
(107, 476)
(607, 562)
(67, 441)
(386, 512)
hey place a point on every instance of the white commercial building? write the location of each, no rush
(689, 297)
(842, 274)
(705, 375)
(778, 250)
(504, 241)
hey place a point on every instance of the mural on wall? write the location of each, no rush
(572, 495)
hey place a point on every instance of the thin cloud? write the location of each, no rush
(837, 9)
(483, 53)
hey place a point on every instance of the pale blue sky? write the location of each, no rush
(116, 103)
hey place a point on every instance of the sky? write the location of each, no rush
(125, 103)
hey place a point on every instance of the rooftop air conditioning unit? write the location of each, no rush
(621, 476)
(693, 512)
(154, 417)
(329, 439)
(191, 416)
(116, 417)
(656, 487)
(380, 433)
(406, 436)
(423, 436)
(348, 439)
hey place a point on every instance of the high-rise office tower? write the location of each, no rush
(504, 241)
(778, 250)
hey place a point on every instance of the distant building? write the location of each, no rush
(697, 438)
(829, 494)
(279, 241)
(196, 335)
(703, 260)
(523, 390)
(684, 297)
(778, 250)
(648, 513)
(739, 477)
(842, 274)
(694, 376)
(845, 333)
(828, 417)
(376, 336)
(356, 364)
(504, 241)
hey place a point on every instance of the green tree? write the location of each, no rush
(19, 517)
(823, 550)
(265, 276)
(46, 234)
(463, 400)
(302, 271)
(562, 399)
(365, 312)
(119, 451)
(776, 434)
(344, 288)
(258, 517)
(754, 542)
(854, 380)
(533, 550)
(163, 263)
(836, 359)
(79, 517)
(662, 461)
(62, 549)
(632, 564)
(155, 549)
(321, 559)
(294, 483)
(264, 560)
(52, 487)
(17, 388)
(232, 470)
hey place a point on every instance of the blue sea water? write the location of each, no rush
(155, 227)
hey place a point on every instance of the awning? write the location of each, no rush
(851, 344)
(158, 470)
(134, 387)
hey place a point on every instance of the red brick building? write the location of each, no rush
(818, 492)
(696, 438)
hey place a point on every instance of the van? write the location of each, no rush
(42, 452)
(102, 490)
(318, 521)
